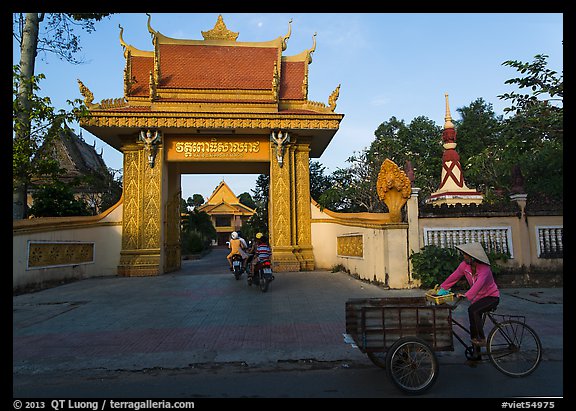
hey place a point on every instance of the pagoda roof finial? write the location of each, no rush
(287, 36)
(150, 29)
(313, 49)
(220, 32)
(122, 42)
(447, 118)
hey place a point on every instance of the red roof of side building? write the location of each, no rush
(217, 67)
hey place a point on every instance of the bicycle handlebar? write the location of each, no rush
(457, 302)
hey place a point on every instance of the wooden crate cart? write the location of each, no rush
(401, 334)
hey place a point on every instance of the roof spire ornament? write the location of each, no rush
(122, 42)
(313, 49)
(220, 32)
(447, 117)
(150, 29)
(452, 188)
(287, 36)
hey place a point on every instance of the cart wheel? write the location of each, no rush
(377, 358)
(412, 365)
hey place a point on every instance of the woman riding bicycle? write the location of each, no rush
(483, 293)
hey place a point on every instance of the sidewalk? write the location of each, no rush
(201, 314)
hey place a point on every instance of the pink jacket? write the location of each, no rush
(481, 285)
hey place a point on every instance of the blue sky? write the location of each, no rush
(388, 64)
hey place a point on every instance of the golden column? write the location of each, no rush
(142, 219)
(302, 216)
(281, 204)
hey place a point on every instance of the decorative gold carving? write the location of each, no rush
(302, 214)
(157, 73)
(393, 188)
(122, 43)
(152, 86)
(333, 98)
(140, 263)
(280, 141)
(141, 235)
(280, 202)
(220, 32)
(152, 32)
(129, 80)
(310, 51)
(287, 36)
(113, 103)
(151, 142)
(275, 81)
(209, 121)
(87, 94)
(350, 246)
(51, 254)
(131, 210)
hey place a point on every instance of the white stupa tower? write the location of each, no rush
(452, 189)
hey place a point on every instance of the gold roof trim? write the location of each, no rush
(131, 49)
(287, 36)
(314, 121)
(305, 55)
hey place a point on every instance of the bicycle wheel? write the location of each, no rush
(412, 365)
(514, 348)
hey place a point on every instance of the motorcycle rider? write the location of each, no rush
(262, 252)
(237, 246)
(251, 251)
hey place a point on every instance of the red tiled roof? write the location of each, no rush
(217, 67)
(141, 67)
(292, 79)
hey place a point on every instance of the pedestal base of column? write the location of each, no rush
(139, 263)
(306, 258)
(283, 259)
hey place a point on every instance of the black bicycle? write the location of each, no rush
(512, 346)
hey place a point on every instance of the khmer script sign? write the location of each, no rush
(217, 148)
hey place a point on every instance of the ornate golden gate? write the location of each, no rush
(200, 106)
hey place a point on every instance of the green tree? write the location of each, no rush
(99, 190)
(319, 182)
(353, 189)
(535, 133)
(247, 200)
(479, 138)
(259, 221)
(198, 233)
(34, 119)
(195, 201)
(57, 200)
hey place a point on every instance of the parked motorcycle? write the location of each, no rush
(262, 275)
(237, 269)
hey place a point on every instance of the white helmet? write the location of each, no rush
(234, 235)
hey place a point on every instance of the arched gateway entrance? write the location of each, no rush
(212, 106)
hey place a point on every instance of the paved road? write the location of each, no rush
(201, 316)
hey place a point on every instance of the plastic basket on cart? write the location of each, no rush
(431, 296)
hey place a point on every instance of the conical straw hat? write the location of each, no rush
(474, 250)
